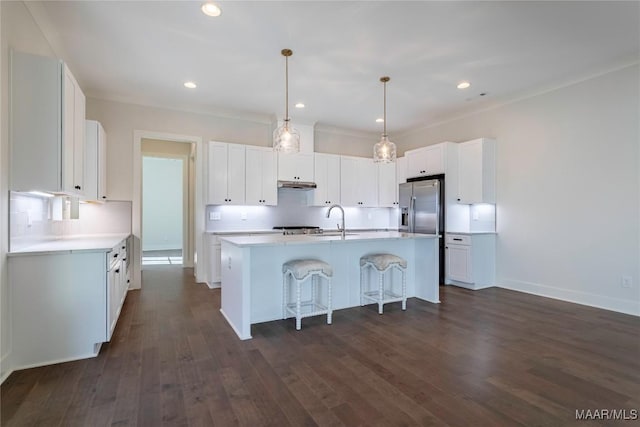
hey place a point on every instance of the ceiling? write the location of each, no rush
(143, 51)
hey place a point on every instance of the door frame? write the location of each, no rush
(199, 207)
(187, 248)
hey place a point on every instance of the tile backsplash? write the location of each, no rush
(31, 220)
(293, 209)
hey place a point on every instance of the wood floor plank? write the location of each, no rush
(485, 358)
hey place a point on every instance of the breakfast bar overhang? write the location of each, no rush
(252, 270)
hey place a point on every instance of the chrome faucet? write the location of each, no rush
(342, 230)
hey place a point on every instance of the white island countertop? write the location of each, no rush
(305, 239)
(69, 244)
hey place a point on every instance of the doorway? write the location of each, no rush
(167, 203)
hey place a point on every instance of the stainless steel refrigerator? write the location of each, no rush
(422, 210)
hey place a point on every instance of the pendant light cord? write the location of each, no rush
(286, 89)
(384, 125)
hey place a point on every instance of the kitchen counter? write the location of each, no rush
(72, 244)
(225, 232)
(470, 233)
(305, 239)
(251, 270)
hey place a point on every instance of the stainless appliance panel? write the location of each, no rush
(425, 218)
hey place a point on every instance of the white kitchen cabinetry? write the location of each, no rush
(295, 167)
(261, 183)
(470, 260)
(426, 161)
(226, 174)
(47, 115)
(95, 181)
(117, 284)
(213, 261)
(359, 182)
(387, 185)
(327, 179)
(477, 171)
(65, 304)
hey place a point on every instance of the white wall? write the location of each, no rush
(162, 203)
(568, 215)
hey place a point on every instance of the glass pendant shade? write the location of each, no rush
(286, 139)
(384, 151)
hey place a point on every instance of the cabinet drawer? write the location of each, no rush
(458, 239)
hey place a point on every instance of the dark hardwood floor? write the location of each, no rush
(490, 357)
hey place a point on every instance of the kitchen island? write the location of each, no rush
(252, 270)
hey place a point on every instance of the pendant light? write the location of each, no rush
(285, 138)
(385, 150)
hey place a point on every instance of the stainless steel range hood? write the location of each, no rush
(298, 185)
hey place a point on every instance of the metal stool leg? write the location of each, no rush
(380, 291)
(329, 309)
(362, 285)
(285, 293)
(404, 288)
(298, 309)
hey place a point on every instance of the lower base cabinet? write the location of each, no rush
(470, 260)
(64, 305)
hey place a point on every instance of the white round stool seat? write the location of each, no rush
(382, 264)
(301, 268)
(298, 271)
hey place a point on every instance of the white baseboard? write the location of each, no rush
(4, 374)
(242, 337)
(584, 298)
(54, 362)
(213, 285)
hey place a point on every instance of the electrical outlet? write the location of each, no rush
(243, 216)
(626, 281)
(369, 215)
(475, 215)
(214, 216)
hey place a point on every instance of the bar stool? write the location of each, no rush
(381, 263)
(298, 271)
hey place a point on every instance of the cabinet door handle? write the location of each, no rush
(457, 240)
(124, 259)
(117, 270)
(115, 255)
(458, 199)
(104, 197)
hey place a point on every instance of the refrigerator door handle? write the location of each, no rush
(437, 185)
(412, 214)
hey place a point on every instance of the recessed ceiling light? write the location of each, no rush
(463, 85)
(190, 85)
(211, 9)
(379, 120)
(299, 105)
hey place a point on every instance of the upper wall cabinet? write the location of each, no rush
(95, 177)
(295, 167)
(261, 184)
(327, 178)
(387, 185)
(477, 171)
(425, 161)
(359, 182)
(47, 126)
(226, 174)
